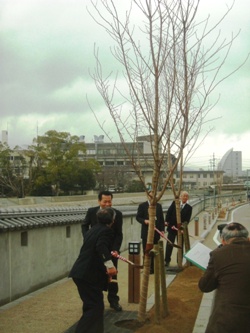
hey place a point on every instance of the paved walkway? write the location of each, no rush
(57, 307)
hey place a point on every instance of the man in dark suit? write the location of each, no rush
(142, 217)
(91, 271)
(228, 272)
(105, 200)
(171, 222)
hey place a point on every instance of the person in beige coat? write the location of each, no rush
(228, 273)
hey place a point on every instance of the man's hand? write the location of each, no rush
(174, 228)
(115, 254)
(111, 271)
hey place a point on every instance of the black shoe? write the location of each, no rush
(116, 306)
(167, 264)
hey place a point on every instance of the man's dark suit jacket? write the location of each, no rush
(186, 214)
(228, 273)
(96, 249)
(91, 219)
(142, 214)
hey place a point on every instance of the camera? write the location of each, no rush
(220, 227)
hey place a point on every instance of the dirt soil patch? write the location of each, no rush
(184, 298)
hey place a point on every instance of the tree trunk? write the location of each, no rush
(147, 263)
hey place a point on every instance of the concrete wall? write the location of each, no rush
(131, 230)
(48, 256)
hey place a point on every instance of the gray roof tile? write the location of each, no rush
(19, 218)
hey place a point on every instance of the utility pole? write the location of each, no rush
(248, 196)
(212, 165)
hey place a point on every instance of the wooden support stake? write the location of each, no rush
(163, 281)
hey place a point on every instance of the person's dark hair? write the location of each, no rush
(105, 215)
(233, 230)
(104, 193)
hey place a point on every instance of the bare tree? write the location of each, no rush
(170, 73)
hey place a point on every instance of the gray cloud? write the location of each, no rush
(46, 52)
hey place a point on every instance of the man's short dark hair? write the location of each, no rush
(108, 193)
(105, 215)
(233, 230)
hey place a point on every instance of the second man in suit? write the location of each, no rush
(171, 222)
(142, 217)
(105, 201)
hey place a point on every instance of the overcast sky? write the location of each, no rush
(46, 51)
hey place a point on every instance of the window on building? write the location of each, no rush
(121, 152)
(91, 152)
(109, 163)
(120, 162)
(68, 231)
(24, 238)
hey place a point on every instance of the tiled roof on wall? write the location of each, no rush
(39, 217)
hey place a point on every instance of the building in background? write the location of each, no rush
(201, 179)
(117, 166)
(4, 137)
(231, 164)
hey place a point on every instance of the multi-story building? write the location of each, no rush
(231, 164)
(201, 178)
(4, 137)
(118, 169)
(117, 161)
